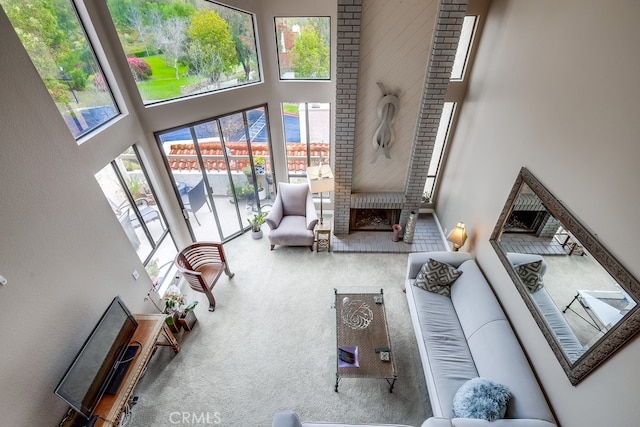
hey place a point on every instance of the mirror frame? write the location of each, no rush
(617, 336)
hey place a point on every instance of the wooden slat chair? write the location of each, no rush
(202, 264)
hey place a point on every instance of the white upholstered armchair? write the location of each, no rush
(292, 217)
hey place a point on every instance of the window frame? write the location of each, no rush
(302, 176)
(83, 24)
(456, 93)
(278, 52)
(259, 78)
(155, 243)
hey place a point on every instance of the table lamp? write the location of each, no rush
(320, 180)
(457, 236)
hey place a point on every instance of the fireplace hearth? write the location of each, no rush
(537, 223)
(373, 219)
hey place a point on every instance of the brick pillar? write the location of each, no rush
(443, 50)
(347, 66)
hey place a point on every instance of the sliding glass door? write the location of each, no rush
(221, 171)
(130, 194)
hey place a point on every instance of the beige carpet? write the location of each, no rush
(270, 346)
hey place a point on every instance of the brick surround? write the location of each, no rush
(445, 40)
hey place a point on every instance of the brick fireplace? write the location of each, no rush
(373, 219)
(529, 216)
(375, 211)
(445, 40)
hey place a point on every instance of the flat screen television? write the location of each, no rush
(94, 366)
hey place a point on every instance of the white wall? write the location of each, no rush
(62, 250)
(554, 88)
(394, 48)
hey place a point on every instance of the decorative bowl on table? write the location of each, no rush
(356, 314)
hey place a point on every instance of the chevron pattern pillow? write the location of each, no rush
(530, 275)
(437, 277)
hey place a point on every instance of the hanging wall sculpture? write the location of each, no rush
(384, 136)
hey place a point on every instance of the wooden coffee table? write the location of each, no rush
(361, 328)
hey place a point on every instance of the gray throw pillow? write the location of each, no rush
(481, 398)
(437, 277)
(530, 275)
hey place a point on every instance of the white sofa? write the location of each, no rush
(554, 317)
(467, 336)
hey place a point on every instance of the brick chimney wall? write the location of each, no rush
(445, 41)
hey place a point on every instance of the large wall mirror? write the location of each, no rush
(583, 299)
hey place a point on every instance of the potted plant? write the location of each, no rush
(179, 314)
(262, 193)
(187, 318)
(259, 165)
(140, 190)
(172, 301)
(240, 189)
(256, 224)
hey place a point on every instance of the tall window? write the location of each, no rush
(304, 51)
(438, 148)
(125, 185)
(52, 35)
(307, 136)
(463, 61)
(178, 48)
(464, 47)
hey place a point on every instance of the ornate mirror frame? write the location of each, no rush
(618, 335)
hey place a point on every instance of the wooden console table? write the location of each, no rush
(148, 333)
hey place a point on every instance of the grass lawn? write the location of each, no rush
(163, 83)
(290, 108)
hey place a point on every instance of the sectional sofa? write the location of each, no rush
(465, 336)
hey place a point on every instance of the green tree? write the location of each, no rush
(244, 40)
(36, 24)
(212, 51)
(310, 55)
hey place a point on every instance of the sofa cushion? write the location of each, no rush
(450, 363)
(436, 276)
(481, 398)
(417, 259)
(517, 259)
(286, 419)
(531, 275)
(292, 231)
(474, 422)
(294, 198)
(473, 300)
(499, 357)
(558, 324)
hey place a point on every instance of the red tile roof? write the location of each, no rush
(182, 157)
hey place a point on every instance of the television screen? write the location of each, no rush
(86, 379)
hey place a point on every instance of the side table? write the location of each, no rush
(323, 237)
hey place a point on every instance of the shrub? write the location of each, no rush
(140, 68)
(99, 83)
(78, 79)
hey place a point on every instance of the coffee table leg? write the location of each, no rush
(337, 381)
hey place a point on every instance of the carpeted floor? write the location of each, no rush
(270, 346)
